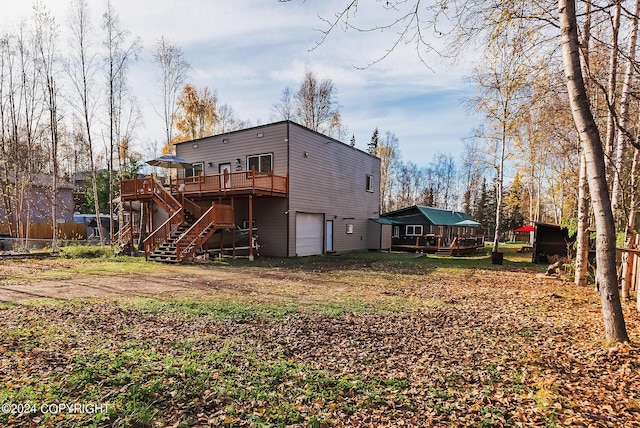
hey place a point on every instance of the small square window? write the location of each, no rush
(260, 163)
(195, 170)
(414, 230)
(369, 183)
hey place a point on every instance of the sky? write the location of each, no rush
(248, 51)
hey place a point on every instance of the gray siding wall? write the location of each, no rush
(329, 177)
(238, 145)
(269, 212)
(325, 177)
(271, 221)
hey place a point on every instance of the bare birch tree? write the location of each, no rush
(389, 153)
(7, 186)
(82, 69)
(173, 74)
(502, 82)
(582, 233)
(119, 54)
(46, 38)
(620, 172)
(313, 105)
(283, 108)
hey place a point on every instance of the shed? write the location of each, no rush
(551, 240)
(379, 233)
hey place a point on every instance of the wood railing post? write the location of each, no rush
(253, 181)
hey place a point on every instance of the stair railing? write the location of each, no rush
(455, 244)
(161, 234)
(191, 207)
(202, 229)
(164, 198)
(124, 235)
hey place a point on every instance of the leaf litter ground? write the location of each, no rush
(325, 342)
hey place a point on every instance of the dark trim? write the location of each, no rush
(288, 216)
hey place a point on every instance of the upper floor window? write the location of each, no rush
(369, 183)
(196, 169)
(262, 163)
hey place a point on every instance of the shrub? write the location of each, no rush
(86, 251)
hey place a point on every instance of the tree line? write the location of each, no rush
(559, 97)
(68, 112)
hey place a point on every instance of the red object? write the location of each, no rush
(527, 228)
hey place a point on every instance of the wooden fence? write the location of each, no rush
(66, 231)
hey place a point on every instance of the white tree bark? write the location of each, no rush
(582, 239)
(623, 120)
(606, 278)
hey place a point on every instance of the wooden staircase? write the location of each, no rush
(216, 217)
(448, 250)
(186, 230)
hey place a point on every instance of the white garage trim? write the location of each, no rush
(309, 234)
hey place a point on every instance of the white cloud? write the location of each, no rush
(249, 50)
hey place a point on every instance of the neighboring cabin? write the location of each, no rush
(37, 201)
(303, 192)
(428, 229)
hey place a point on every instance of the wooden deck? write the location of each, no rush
(214, 185)
(434, 244)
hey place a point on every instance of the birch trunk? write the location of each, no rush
(582, 239)
(629, 230)
(606, 277)
(612, 82)
(496, 236)
(622, 138)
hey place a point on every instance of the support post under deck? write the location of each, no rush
(251, 227)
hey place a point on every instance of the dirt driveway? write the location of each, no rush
(21, 281)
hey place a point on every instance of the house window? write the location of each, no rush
(396, 232)
(262, 163)
(369, 183)
(196, 169)
(414, 230)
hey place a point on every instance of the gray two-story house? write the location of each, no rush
(302, 192)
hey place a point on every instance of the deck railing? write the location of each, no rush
(136, 187)
(232, 181)
(250, 181)
(199, 232)
(149, 187)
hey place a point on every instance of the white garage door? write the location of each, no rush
(309, 234)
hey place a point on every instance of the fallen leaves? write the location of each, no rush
(486, 349)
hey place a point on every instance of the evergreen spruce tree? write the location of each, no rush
(373, 144)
